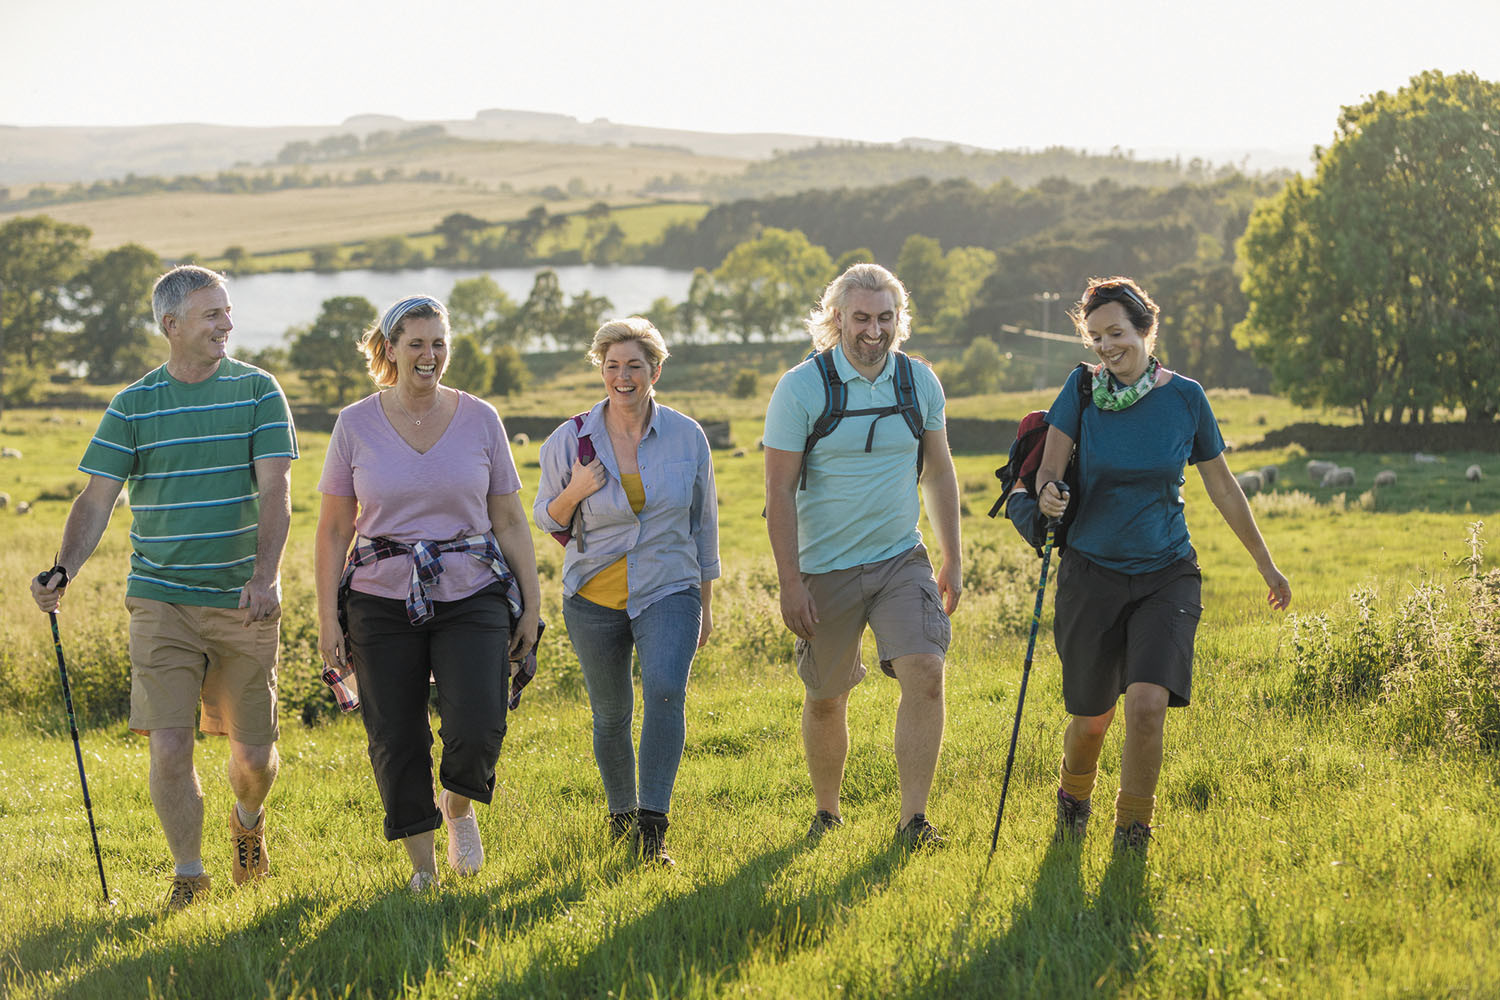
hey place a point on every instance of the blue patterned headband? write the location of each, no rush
(396, 313)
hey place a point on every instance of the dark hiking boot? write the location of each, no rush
(650, 839)
(1072, 818)
(822, 823)
(1133, 839)
(918, 834)
(620, 825)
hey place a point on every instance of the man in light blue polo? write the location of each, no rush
(843, 519)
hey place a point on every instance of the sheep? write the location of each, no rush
(1422, 459)
(1385, 477)
(10, 453)
(1250, 482)
(738, 453)
(1474, 473)
(1341, 476)
(4, 500)
(520, 440)
(1317, 469)
(23, 507)
(1268, 474)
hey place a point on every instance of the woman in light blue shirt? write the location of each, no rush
(630, 486)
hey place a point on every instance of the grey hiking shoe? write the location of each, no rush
(1133, 839)
(1072, 818)
(918, 834)
(822, 823)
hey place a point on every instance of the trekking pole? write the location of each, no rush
(1036, 621)
(62, 671)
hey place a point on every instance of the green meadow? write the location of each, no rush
(1325, 821)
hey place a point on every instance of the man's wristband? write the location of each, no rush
(46, 575)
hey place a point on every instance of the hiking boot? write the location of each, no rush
(465, 849)
(649, 840)
(1072, 818)
(822, 823)
(918, 834)
(186, 889)
(1133, 839)
(620, 825)
(422, 883)
(251, 860)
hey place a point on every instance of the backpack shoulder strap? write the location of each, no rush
(835, 402)
(585, 441)
(907, 403)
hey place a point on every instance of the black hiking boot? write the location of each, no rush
(1072, 818)
(822, 823)
(620, 825)
(650, 838)
(918, 834)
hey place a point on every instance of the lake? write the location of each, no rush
(266, 305)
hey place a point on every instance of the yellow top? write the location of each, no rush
(610, 587)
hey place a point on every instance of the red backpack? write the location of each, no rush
(1020, 469)
(585, 455)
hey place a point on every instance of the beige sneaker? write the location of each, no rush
(250, 858)
(186, 889)
(465, 849)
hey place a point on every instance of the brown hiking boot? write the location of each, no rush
(250, 858)
(1072, 818)
(186, 889)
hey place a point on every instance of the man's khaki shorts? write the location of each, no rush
(897, 598)
(181, 654)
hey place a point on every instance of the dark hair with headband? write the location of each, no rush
(1139, 309)
(374, 340)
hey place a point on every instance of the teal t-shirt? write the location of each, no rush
(186, 452)
(858, 507)
(1130, 464)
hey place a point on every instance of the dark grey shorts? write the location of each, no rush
(1113, 629)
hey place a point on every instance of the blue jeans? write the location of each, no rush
(665, 637)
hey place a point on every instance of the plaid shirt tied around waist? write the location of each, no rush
(426, 567)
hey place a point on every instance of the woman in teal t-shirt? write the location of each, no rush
(1128, 587)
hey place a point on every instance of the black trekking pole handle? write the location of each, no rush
(62, 672)
(1053, 523)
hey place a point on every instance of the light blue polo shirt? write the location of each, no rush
(859, 507)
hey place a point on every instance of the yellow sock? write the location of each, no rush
(1080, 786)
(1133, 809)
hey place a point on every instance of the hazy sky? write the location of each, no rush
(1138, 74)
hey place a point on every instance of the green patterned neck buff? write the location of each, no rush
(1107, 398)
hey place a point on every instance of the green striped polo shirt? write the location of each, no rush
(187, 452)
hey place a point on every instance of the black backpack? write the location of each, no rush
(836, 399)
(1020, 468)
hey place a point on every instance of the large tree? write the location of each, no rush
(767, 283)
(1372, 285)
(112, 298)
(326, 354)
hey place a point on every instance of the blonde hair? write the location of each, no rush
(636, 328)
(373, 342)
(823, 323)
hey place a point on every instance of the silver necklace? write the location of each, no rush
(407, 413)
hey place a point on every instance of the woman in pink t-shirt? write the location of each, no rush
(441, 582)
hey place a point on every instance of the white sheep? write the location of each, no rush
(520, 440)
(1250, 482)
(4, 500)
(10, 453)
(1317, 469)
(1268, 474)
(1474, 473)
(23, 507)
(1341, 476)
(1423, 459)
(1385, 477)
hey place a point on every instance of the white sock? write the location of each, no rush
(190, 869)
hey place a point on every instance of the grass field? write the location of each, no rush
(1311, 840)
(490, 180)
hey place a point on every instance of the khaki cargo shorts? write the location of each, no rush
(897, 598)
(181, 654)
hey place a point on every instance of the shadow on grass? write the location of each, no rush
(1059, 943)
(702, 938)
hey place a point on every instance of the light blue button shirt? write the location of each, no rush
(673, 544)
(859, 507)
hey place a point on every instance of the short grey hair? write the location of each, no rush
(823, 324)
(173, 288)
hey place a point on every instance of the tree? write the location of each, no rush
(980, 371)
(479, 306)
(1372, 284)
(327, 353)
(968, 268)
(847, 259)
(511, 374)
(924, 271)
(458, 230)
(543, 314)
(583, 317)
(112, 300)
(771, 281)
(38, 258)
(469, 368)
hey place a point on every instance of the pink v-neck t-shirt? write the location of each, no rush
(413, 496)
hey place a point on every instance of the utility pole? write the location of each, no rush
(1046, 299)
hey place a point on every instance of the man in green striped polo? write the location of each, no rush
(205, 443)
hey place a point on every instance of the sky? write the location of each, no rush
(1197, 77)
